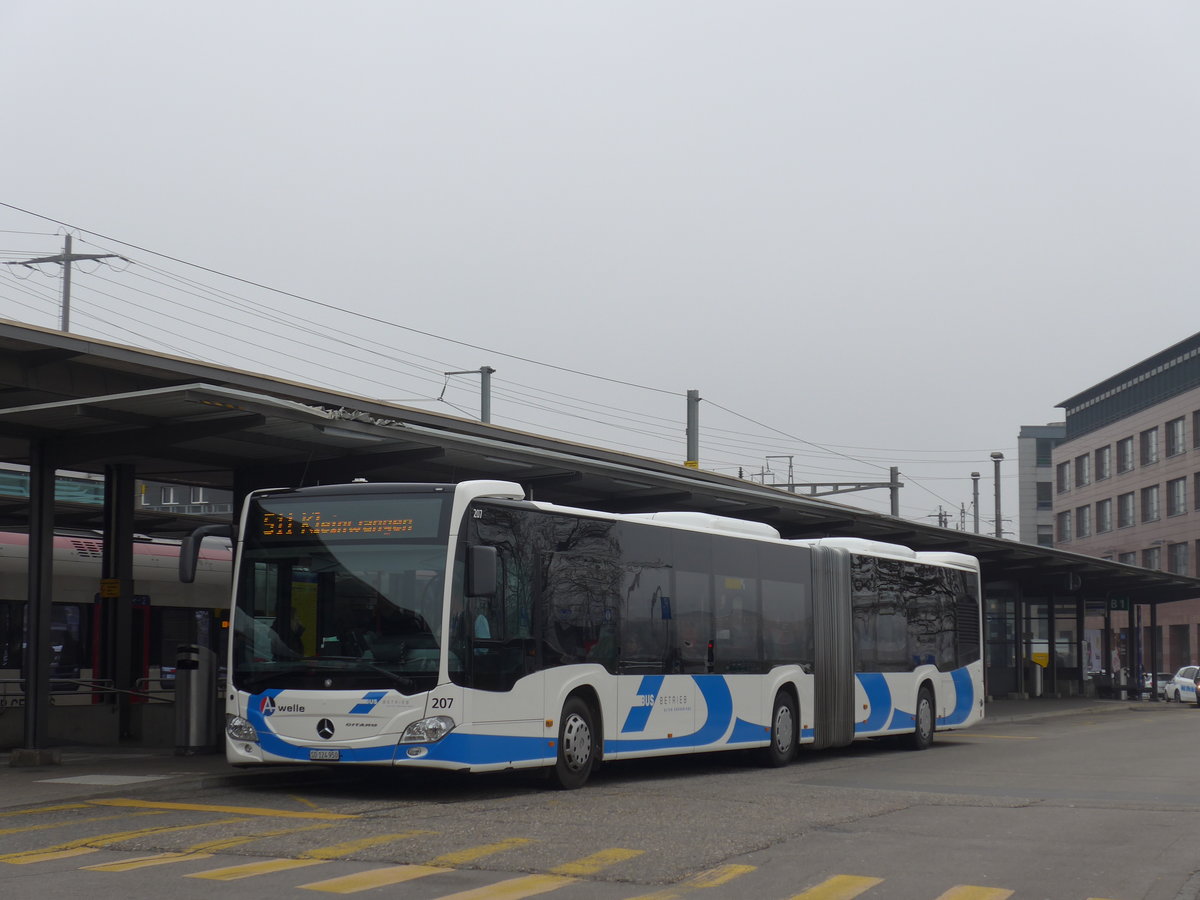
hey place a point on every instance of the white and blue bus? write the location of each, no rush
(461, 627)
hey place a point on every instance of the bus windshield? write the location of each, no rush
(341, 593)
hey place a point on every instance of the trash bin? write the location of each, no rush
(195, 700)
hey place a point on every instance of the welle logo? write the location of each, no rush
(268, 707)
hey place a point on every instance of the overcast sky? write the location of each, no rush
(869, 233)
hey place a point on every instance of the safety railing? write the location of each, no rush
(83, 691)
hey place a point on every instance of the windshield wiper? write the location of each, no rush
(358, 663)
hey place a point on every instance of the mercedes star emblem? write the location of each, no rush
(325, 729)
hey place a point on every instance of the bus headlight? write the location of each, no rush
(240, 729)
(427, 731)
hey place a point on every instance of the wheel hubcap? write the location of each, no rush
(785, 730)
(576, 743)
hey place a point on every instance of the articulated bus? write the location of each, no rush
(460, 627)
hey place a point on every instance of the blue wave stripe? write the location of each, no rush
(747, 732)
(879, 698)
(964, 690)
(368, 703)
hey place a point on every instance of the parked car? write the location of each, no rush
(1182, 686)
(1164, 678)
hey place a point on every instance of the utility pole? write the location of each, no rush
(975, 498)
(997, 456)
(485, 390)
(65, 259)
(693, 430)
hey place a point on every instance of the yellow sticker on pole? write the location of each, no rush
(110, 588)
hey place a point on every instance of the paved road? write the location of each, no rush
(1100, 804)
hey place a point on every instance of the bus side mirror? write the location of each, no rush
(189, 549)
(481, 571)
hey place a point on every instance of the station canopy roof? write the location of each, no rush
(176, 420)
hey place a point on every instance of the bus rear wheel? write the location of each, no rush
(785, 729)
(576, 745)
(922, 735)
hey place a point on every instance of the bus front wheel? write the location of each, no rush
(576, 745)
(785, 728)
(922, 735)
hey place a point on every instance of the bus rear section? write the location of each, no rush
(898, 648)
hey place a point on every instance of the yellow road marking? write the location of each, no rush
(199, 851)
(839, 887)
(464, 857)
(238, 810)
(249, 870)
(43, 809)
(708, 879)
(972, 892)
(590, 865)
(225, 843)
(102, 840)
(47, 825)
(514, 888)
(143, 862)
(373, 878)
(48, 855)
(304, 800)
(334, 851)
(718, 876)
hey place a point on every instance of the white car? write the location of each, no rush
(1164, 679)
(1182, 688)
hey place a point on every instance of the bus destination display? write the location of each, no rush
(347, 520)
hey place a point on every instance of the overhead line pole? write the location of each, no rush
(65, 259)
(693, 430)
(485, 390)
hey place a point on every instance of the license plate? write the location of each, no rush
(324, 755)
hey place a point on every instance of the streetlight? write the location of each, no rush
(997, 456)
(975, 495)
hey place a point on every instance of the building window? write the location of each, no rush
(1064, 526)
(1045, 495)
(169, 495)
(1175, 437)
(1083, 470)
(1045, 448)
(1148, 446)
(1196, 428)
(1152, 558)
(1063, 477)
(1125, 510)
(1125, 455)
(199, 495)
(1177, 559)
(1045, 536)
(1176, 497)
(1083, 522)
(1104, 516)
(1104, 462)
(1150, 511)
(1129, 559)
